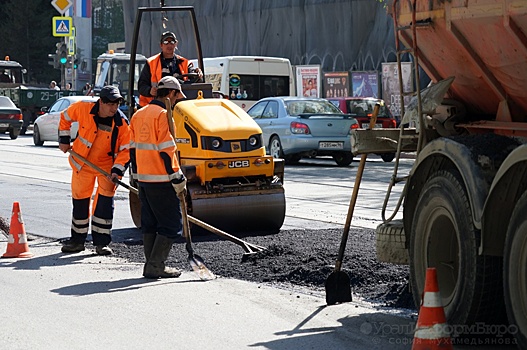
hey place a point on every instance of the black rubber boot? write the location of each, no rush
(155, 267)
(148, 244)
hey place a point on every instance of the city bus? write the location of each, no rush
(246, 79)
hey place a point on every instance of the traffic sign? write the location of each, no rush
(61, 5)
(62, 26)
(71, 42)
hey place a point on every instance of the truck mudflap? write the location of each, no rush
(247, 210)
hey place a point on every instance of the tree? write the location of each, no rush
(107, 23)
(27, 37)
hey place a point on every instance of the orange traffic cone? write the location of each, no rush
(17, 242)
(431, 331)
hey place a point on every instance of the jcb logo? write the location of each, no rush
(239, 164)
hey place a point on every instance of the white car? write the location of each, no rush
(46, 126)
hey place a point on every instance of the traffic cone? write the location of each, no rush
(432, 330)
(17, 241)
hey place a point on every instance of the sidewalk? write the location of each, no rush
(84, 301)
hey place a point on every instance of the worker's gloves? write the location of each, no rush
(180, 185)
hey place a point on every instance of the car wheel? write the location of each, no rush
(292, 159)
(275, 147)
(387, 157)
(13, 133)
(36, 136)
(343, 158)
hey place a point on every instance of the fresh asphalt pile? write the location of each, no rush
(296, 258)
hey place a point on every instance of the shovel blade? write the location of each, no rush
(338, 288)
(198, 266)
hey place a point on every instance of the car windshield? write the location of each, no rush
(311, 107)
(365, 107)
(6, 102)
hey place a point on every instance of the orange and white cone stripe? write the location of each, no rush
(17, 246)
(431, 330)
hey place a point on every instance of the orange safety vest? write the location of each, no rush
(155, 73)
(85, 113)
(150, 136)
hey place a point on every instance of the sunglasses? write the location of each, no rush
(166, 42)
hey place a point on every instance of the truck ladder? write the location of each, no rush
(413, 50)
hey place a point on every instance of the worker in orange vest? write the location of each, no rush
(104, 140)
(156, 169)
(165, 63)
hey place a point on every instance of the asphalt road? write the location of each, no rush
(317, 191)
(84, 301)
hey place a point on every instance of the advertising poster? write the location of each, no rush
(365, 84)
(390, 85)
(308, 81)
(336, 84)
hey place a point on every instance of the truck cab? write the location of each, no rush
(114, 69)
(11, 73)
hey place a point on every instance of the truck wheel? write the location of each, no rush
(343, 158)
(13, 133)
(36, 136)
(443, 236)
(387, 157)
(275, 147)
(515, 271)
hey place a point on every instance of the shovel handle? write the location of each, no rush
(353, 201)
(102, 171)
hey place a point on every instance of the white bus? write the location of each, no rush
(246, 79)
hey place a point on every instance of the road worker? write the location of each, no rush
(104, 140)
(156, 168)
(165, 63)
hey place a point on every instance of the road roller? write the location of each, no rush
(231, 183)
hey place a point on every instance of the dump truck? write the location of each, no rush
(30, 99)
(465, 199)
(232, 184)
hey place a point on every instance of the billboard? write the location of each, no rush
(336, 84)
(390, 85)
(365, 84)
(308, 82)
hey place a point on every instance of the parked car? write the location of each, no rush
(10, 118)
(46, 127)
(362, 108)
(296, 127)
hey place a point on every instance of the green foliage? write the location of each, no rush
(108, 25)
(27, 34)
(27, 37)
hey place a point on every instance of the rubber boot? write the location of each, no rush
(155, 267)
(148, 244)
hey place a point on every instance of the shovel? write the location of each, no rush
(195, 261)
(338, 286)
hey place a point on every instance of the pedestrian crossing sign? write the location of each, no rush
(62, 26)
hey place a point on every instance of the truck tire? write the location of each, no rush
(515, 272)
(443, 236)
(391, 243)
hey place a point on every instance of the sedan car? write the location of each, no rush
(10, 118)
(46, 126)
(296, 127)
(362, 108)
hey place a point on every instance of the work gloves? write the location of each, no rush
(180, 185)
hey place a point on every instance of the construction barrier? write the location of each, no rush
(17, 240)
(431, 332)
